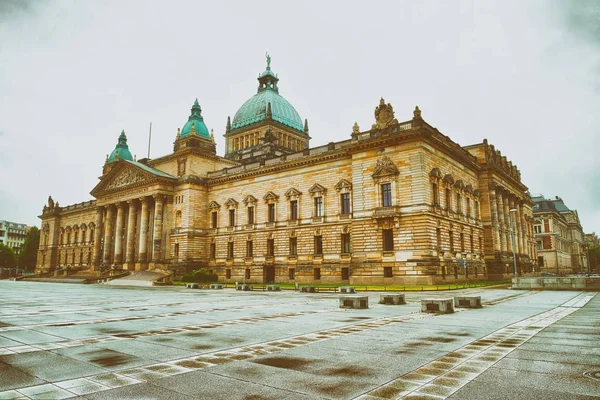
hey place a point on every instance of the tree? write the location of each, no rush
(29, 249)
(8, 258)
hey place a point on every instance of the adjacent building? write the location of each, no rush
(397, 203)
(559, 237)
(13, 234)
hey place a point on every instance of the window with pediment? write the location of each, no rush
(344, 188)
(213, 208)
(318, 192)
(293, 196)
(271, 201)
(385, 175)
(435, 177)
(250, 202)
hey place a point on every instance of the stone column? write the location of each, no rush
(119, 233)
(494, 215)
(108, 234)
(143, 250)
(507, 223)
(157, 234)
(518, 230)
(131, 220)
(501, 221)
(98, 237)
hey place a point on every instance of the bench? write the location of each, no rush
(358, 302)
(467, 301)
(443, 306)
(216, 286)
(392, 299)
(347, 289)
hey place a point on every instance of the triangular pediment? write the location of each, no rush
(270, 196)
(213, 205)
(316, 188)
(343, 184)
(293, 192)
(231, 203)
(250, 199)
(127, 174)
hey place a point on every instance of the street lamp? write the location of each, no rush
(512, 212)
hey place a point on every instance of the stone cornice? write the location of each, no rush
(193, 151)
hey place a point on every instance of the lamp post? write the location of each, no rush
(512, 212)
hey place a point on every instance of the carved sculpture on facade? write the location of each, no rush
(384, 167)
(384, 115)
(127, 177)
(495, 158)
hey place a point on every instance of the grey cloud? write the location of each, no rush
(582, 18)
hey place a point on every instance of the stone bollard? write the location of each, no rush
(244, 287)
(308, 289)
(467, 301)
(392, 299)
(443, 306)
(273, 288)
(216, 286)
(347, 289)
(358, 302)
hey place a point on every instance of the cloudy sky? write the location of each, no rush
(73, 74)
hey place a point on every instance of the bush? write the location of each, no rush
(200, 276)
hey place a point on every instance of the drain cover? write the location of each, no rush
(592, 374)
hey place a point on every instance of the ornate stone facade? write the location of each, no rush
(400, 203)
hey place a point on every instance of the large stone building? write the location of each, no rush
(13, 234)
(559, 237)
(396, 203)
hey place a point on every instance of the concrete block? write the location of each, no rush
(192, 286)
(216, 286)
(273, 288)
(358, 302)
(244, 287)
(443, 306)
(467, 301)
(347, 289)
(308, 289)
(392, 299)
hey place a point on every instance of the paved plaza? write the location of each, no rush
(62, 341)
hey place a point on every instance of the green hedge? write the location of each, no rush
(200, 276)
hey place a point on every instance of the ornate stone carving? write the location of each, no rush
(125, 178)
(384, 115)
(385, 167)
(355, 129)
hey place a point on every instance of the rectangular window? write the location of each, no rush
(448, 200)
(345, 202)
(213, 250)
(250, 212)
(546, 225)
(345, 243)
(537, 229)
(387, 272)
(317, 273)
(232, 217)
(436, 194)
(228, 273)
(318, 244)
(547, 242)
(538, 245)
(468, 207)
(388, 240)
(247, 275)
(293, 246)
(270, 247)
(472, 244)
(462, 242)
(318, 206)
(451, 238)
(292, 273)
(345, 273)
(294, 210)
(458, 204)
(476, 205)
(386, 195)
(249, 249)
(229, 249)
(438, 238)
(271, 212)
(213, 219)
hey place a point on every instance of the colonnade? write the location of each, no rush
(501, 202)
(125, 230)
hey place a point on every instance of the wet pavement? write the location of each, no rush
(115, 342)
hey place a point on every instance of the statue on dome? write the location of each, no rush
(268, 60)
(50, 202)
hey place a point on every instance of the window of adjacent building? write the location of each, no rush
(232, 217)
(387, 272)
(438, 238)
(546, 225)
(213, 219)
(176, 250)
(250, 215)
(345, 202)
(538, 245)
(318, 206)
(318, 244)
(294, 210)
(317, 273)
(213, 250)
(271, 212)
(451, 237)
(293, 246)
(228, 273)
(270, 247)
(249, 249)
(386, 195)
(345, 273)
(247, 273)
(345, 243)
(462, 242)
(229, 249)
(388, 240)
(458, 203)
(472, 244)
(537, 229)
(448, 199)
(547, 242)
(292, 273)
(436, 194)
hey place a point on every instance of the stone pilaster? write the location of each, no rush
(108, 234)
(118, 259)
(507, 222)
(131, 220)
(97, 256)
(143, 248)
(501, 221)
(494, 214)
(158, 223)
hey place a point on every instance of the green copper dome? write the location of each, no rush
(257, 108)
(198, 122)
(121, 151)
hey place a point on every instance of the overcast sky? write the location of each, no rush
(73, 74)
